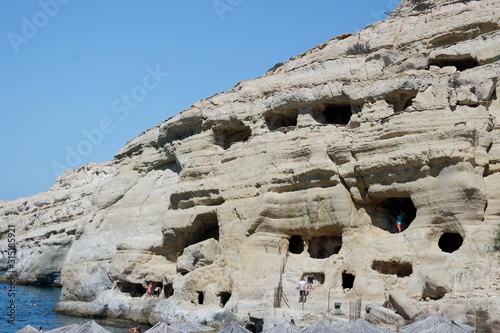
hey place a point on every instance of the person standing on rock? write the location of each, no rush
(400, 220)
(302, 289)
(310, 281)
(157, 291)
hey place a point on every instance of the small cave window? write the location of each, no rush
(339, 114)
(256, 325)
(169, 290)
(225, 136)
(277, 119)
(401, 99)
(347, 280)
(385, 214)
(450, 242)
(204, 226)
(461, 62)
(401, 269)
(224, 297)
(134, 289)
(324, 246)
(201, 297)
(296, 244)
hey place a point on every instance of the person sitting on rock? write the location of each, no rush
(149, 289)
(400, 220)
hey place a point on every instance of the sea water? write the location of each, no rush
(18, 309)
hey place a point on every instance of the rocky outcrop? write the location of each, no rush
(227, 205)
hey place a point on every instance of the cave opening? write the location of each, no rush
(401, 269)
(385, 214)
(324, 246)
(347, 280)
(278, 118)
(256, 325)
(204, 226)
(461, 62)
(225, 136)
(201, 297)
(296, 244)
(134, 289)
(450, 242)
(338, 114)
(168, 290)
(224, 297)
(401, 99)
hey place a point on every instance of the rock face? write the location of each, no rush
(227, 205)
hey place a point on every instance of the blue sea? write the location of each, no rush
(16, 311)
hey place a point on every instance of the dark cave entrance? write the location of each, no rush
(224, 297)
(401, 269)
(339, 114)
(134, 289)
(296, 245)
(450, 242)
(169, 290)
(401, 99)
(347, 280)
(277, 119)
(461, 62)
(324, 246)
(201, 297)
(225, 136)
(385, 214)
(204, 226)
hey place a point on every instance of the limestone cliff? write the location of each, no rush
(303, 171)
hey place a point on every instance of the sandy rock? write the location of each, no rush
(302, 171)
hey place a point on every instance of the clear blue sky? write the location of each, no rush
(80, 78)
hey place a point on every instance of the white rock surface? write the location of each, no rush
(315, 159)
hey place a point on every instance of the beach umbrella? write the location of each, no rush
(362, 326)
(163, 328)
(65, 329)
(285, 327)
(450, 327)
(430, 323)
(234, 327)
(185, 326)
(322, 327)
(422, 325)
(90, 327)
(28, 329)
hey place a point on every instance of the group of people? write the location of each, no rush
(150, 292)
(305, 287)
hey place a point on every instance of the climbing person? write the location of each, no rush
(310, 281)
(149, 289)
(400, 221)
(302, 289)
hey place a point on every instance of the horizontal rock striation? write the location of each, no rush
(227, 205)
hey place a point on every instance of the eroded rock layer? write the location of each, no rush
(227, 205)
